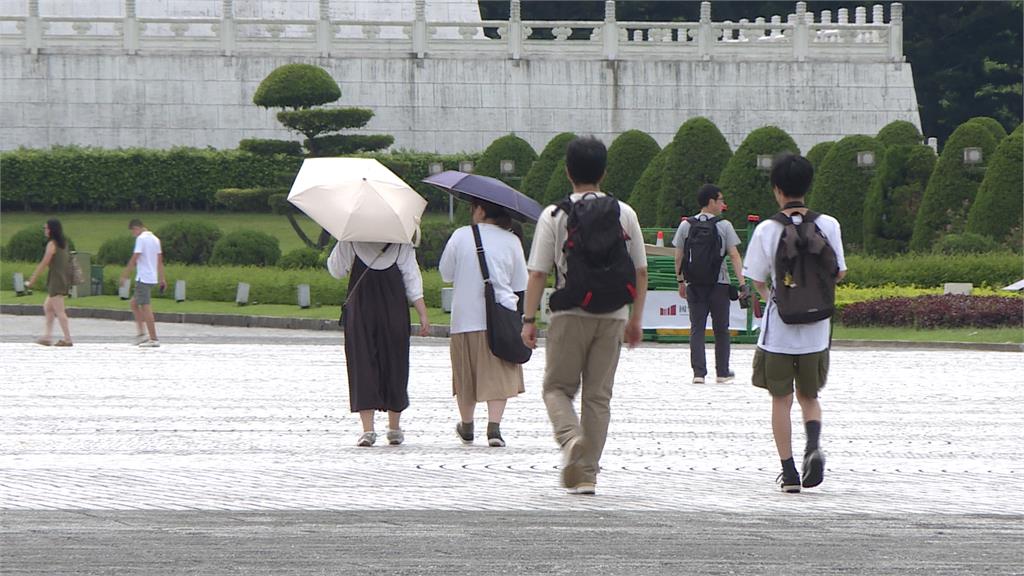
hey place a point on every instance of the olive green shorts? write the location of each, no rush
(777, 373)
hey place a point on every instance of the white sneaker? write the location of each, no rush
(726, 379)
(367, 439)
(698, 379)
(139, 339)
(150, 344)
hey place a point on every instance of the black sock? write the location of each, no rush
(493, 429)
(813, 428)
(789, 467)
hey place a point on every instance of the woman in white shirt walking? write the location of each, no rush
(477, 374)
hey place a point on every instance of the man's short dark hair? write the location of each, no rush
(586, 159)
(707, 193)
(135, 223)
(792, 174)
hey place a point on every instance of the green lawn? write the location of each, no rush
(89, 230)
(439, 317)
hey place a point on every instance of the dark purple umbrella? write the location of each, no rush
(471, 186)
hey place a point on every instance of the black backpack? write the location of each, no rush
(702, 253)
(600, 275)
(805, 270)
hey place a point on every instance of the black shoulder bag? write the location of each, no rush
(504, 326)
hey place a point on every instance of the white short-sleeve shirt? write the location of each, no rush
(147, 246)
(460, 265)
(759, 264)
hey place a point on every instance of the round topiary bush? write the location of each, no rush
(996, 211)
(992, 125)
(840, 187)
(510, 147)
(304, 257)
(29, 245)
(628, 156)
(952, 186)
(246, 248)
(536, 181)
(296, 86)
(644, 197)
(558, 186)
(117, 250)
(745, 187)
(188, 242)
(699, 154)
(817, 153)
(894, 197)
(899, 132)
(966, 243)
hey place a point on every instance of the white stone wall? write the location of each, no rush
(441, 104)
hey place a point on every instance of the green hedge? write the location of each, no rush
(246, 199)
(644, 197)
(117, 250)
(952, 186)
(304, 257)
(817, 153)
(188, 242)
(699, 154)
(899, 132)
(269, 147)
(628, 157)
(992, 125)
(296, 86)
(537, 178)
(894, 197)
(246, 248)
(72, 178)
(558, 186)
(996, 269)
(966, 243)
(509, 147)
(996, 211)
(29, 244)
(746, 188)
(840, 186)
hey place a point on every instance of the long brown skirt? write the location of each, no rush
(477, 374)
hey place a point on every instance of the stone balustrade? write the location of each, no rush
(800, 37)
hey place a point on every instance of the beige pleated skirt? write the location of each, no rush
(477, 374)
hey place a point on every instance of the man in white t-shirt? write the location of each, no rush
(582, 347)
(789, 354)
(148, 260)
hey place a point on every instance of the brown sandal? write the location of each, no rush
(44, 342)
(64, 343)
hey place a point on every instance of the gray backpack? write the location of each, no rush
(805, 270)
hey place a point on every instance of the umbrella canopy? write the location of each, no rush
(471, 186)
(358, 199)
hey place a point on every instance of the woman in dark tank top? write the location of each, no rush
(56, 259)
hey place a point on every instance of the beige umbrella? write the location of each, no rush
(358, 199)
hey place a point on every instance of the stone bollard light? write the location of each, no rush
(179, 291)
(19, 284)
(303, 295)
(242, 295)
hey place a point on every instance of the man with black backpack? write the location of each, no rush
(596, 247)
(801, 253)
(701, 242)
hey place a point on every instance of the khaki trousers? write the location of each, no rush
(582, 351)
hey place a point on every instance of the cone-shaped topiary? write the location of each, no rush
(644, 197)
(537, 178)
(952, 186)
(899, 132)
(699, 155)
(817, 153)
(746, 187)
(558, 186)
(894, 198)
(840, 186)
(628, 156)
(992, 125)
(996, 211)
(510, 147)
(296, 86)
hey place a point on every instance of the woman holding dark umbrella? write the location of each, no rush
(477, 374)
(383, 280)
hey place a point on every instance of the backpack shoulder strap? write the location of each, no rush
(782, 218)
(563, 205)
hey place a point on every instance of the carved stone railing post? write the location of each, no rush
(610, 32)
(515, 30)
(705, 36)
(419, 30)
(33, 28)
(800, 32)
(131, 28)
(324, 32)
(896, 32)
(227, 28)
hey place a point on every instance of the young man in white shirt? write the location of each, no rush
(582, 347)
(149, 259)
(789, 354)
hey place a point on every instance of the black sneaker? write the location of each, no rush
(494, 438)
(814, 468)
(789, 483)
(465, 432)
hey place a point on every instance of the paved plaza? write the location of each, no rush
(232, 450)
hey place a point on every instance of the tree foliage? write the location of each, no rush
(894, 198)
(699, 154)
(509, 147)
(558, 185)
(992, 125)
(644, 197)
(952, 186)
(316, 121)
(628, 156)
(840, 186)
(746, 187)
(996, 211)
(537, 178)
(246, 248)
(899, 132)
(296, 86)
(817, 153)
